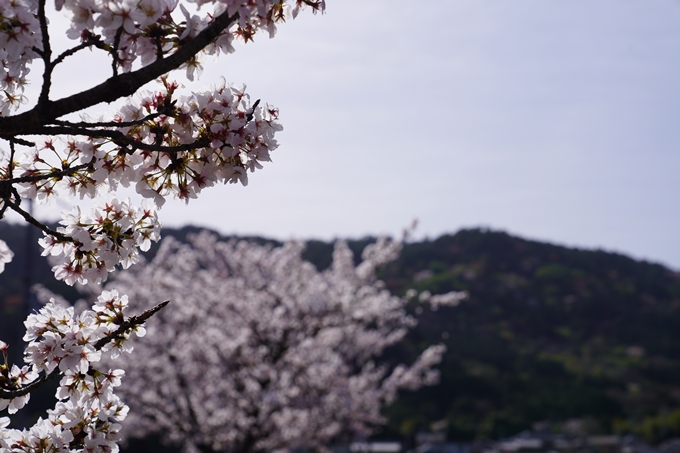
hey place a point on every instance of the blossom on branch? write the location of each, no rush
(88, 414)
(162, 142)
(109, 236)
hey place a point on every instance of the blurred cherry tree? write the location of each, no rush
(261, 351)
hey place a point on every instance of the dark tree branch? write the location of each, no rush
(185, 387)
(46, 55)
(121, 139)
(10, 165)
(9, 394)
(72, 51)
(3, 209)
(6, 191)
(129, 324)
(53, 174)
(18, 141)
(250, 115)
(159, 48)
(30, 219)
(114, 52)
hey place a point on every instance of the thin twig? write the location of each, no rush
(74, 50)
(18, 141)
(30, 219)
(129, 324)
(114, 51)
(3, 209)
(53, 174)
(250, 115)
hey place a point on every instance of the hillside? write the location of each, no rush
(549, 333)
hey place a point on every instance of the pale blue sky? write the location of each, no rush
(552, 120)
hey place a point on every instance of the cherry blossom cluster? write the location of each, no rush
(162, 142)
(19, 36)
(234, 137)
(14, 377)
(128, 30)
(88, 413)
(264, 352)
(148, 29)
(207, 137)
(110, 235)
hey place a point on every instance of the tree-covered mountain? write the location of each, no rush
(587, 339)
(548, 333)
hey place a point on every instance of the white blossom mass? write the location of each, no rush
(261, 351)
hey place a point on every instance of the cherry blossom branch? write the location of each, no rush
(9, 394)
(128, 324)
(159, 47)
(115, 87)
(161, 110)
(121, 139)
(214, 136)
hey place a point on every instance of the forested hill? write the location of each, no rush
(549, 333)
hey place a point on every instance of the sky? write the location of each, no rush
(551, 120)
